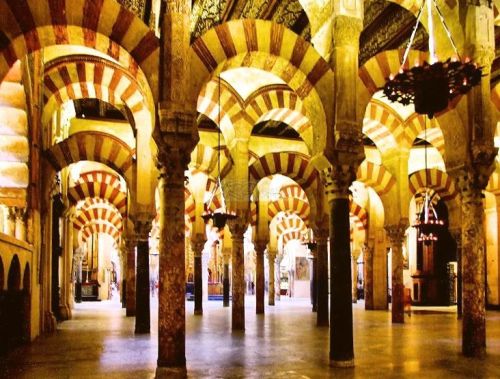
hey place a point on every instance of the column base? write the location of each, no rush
(130, 313)
(50, 322)
(323, 324)
(198, 312)
(171, 372)
(142, 330)
(342, 364)
(474, 352)
(64, 312)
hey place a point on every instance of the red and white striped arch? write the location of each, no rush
(294, 165)
(289, 223)
(359, 213)
(382, 125)
(292, 235)
(375, 176)
(99, 184)
(293, 190)
(98, 212)
(289, 205)
(229, 104)
(274, 49)
(374, 73)
(99, 227)
(280, 103)
(30, 25)
(92, 146)
(84, 76)
(435, 179)
(205, 159)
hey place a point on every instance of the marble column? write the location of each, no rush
(354, 263)
(396, 234)
(238, 228)
(473, 269)
(198, 244)
(271, 257)
(226, 286)
(337, 180)
(171, 295)
(260, 247)
(142, 283)
(64, 304)
(321, 236)
(130, 245)
(368, 274)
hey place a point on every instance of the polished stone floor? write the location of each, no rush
(285, 343)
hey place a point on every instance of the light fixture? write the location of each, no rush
(433, 84)
(221, 215)
(427, 222)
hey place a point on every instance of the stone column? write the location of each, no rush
(472, 178)
(130, 244)
(142, 284)
(198, 244)
(337, 181)
(225, 282)
(457, 236)
(238, 228)
(123, 271)
(354, 269)
(344, 153)
(172, 309)
(396, 234)
(64, 304)
(177, 130)
(368, 271)
(271, 257)
(473, 268)
(260, 247)
(321, 236)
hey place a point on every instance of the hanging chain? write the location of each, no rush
(414, 32)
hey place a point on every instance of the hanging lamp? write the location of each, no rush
(427, 222)
(221, 215)
(432, 85)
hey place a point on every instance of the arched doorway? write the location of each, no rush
(26, 295)
(12, 324)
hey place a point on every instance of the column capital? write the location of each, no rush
(142, 228)
(178, 6)
(337, 180)
(176, 137)
(260, 246)
(470, 183)
(396, 232)
(347, 28)
(271, 254)
(130, 242)
(198, 244)
(239, 225)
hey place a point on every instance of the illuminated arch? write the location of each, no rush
(92, 146)
(104, 25)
